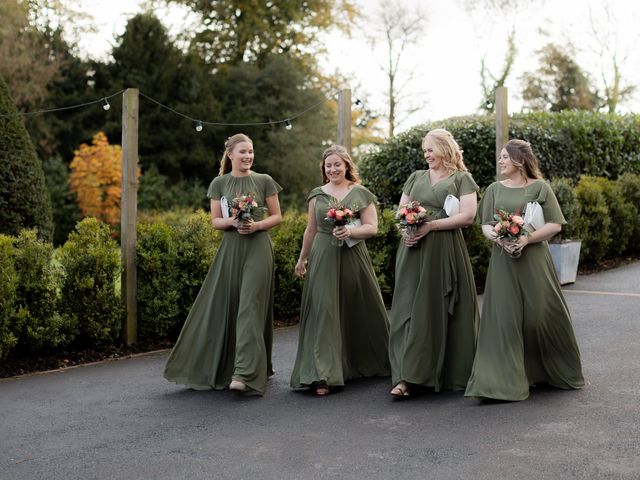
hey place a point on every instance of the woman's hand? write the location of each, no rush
(248, 227)
(301, 268)
(411, 240)
(341, 233)
(522, 242)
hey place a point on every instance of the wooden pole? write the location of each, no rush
(129, 210)
(502, 124)
(344, 118)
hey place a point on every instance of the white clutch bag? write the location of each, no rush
(451, 205)
(224, 207)
(533, 215)
(353, 241)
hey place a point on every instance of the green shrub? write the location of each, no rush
(8, 287)
(622, 216)
(629, 186)
(158, 288)
(564, 191)
(43, 328)
(287, 241)
(91, 262)
(479, 249)
(568, 144)
(595, 222)
(382, 249)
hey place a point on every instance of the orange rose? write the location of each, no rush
(514, 229)
(410, 218)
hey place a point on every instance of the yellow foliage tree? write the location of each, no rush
(96, 178)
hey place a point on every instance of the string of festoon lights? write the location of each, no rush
(199, 123)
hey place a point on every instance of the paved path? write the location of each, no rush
(122, 420)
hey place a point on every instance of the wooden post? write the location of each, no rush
(129, 210)
(344, 118)
(502, 124)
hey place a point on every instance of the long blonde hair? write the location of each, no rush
(229, 145)
(352, 171)
(446, 148)
(522, 156)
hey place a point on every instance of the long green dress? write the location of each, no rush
(229, 330)
(434, 312)
(525, 333)
(344, 331)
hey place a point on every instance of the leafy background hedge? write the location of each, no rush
(568, 144)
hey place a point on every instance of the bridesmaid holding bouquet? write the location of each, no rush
(226, 339)
(343, 322)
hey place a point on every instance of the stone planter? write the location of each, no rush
(565, 256)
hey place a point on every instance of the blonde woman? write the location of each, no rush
(434, 312)
(226, 339)
(344, 329)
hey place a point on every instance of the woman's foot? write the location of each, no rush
(237, 385)
(400, 390)
(321, 390)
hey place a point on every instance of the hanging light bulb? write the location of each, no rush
(357, 102)
(198, 126)
(105, 104)
(288, 125)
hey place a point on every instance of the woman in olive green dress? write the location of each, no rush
(343, 322)
(227, 337)
(434, 311)
(525, 333)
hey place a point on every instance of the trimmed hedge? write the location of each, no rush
(568, 144)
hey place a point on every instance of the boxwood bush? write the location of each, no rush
(90, 295)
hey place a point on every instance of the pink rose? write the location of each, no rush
(410, 218)
(331, 213)
(517, 219)
(497, 227)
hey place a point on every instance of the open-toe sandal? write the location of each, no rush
(401, 390)
(321, 390)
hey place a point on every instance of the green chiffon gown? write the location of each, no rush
(434, 312)
(344, 330)
(229, 330)
(525, 333)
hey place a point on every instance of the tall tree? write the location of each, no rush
(559, 83)
(235, 31)
(24, 200)
(400, 27)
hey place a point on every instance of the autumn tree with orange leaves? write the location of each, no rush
(96, 178)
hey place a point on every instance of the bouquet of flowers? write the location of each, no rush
(410, 216)
(245, 208)
(510, 228)
(340, 216)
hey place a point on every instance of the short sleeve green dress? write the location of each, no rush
(344, 331)
(525, 334)
(229, 330)
(434, 312)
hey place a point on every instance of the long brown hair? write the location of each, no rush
(522, 156)
(352, 171)
(446, 148)
(229, 145)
